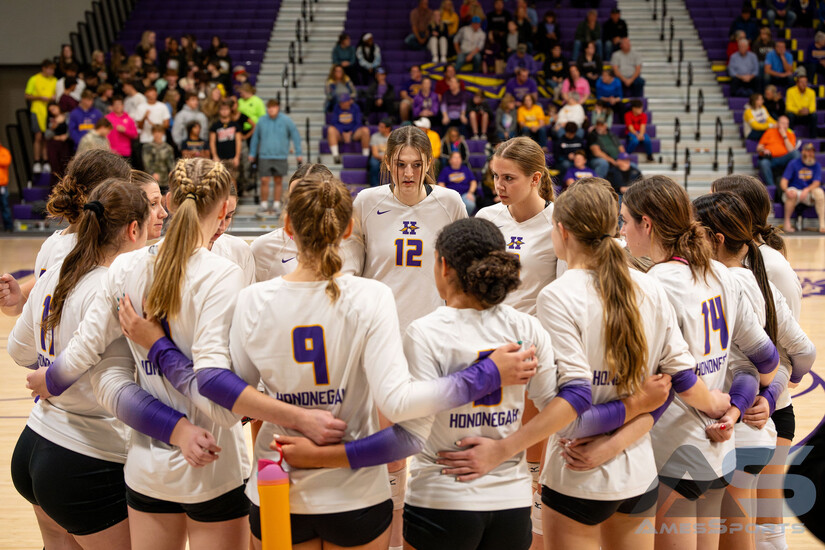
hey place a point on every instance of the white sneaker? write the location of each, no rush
(47, 167)
(483, 137)
(444, 59)
(475, 136)
(275, 208)
(435, 59)
(261, 213)
(37, 168)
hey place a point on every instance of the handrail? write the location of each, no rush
(689, 84)
(700, 108)
(285, 82)
(291, 61)
(687, 166)
(94, 31)
(677, 137)
(717, 139)
(309, 149)
(654, 10)
(679, 64)
(664, 16)
(670, 45)
(730, 160)
(298, 24)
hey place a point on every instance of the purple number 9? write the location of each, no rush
(308, 347)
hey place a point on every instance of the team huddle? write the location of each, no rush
(557, 372)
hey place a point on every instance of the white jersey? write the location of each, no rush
(236, 250)
(54, 250)
(781, 274)
(73, 420)
(530, 240)
(275, 255)
(394, 243)
(433, 353)
(571, 309)
(292, 338)
(712, 315)
(201, 331)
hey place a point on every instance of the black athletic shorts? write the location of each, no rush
(430, 529)
(594, 512)
(785, 422)
(752, 460)
(228, 506)
(691, 489)
(84, 495)
(353, 528)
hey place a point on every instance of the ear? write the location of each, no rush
(562, 231)
(647, 225)
(348, 230)
(224, 209)
(133, 232)
(719, 238)
(288, 226)
(445, 269)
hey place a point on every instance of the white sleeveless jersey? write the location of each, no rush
(571, 309)
(530, 240)
(432, 353)
(54, 250)
(237, 250)
(73, 420)
(712, 315)
(275, 255)
(395, 243)
(201, 331)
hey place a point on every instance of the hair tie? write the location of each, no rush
(192, 196)
(96, 207)
(603, 237)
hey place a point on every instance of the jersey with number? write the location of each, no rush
(54, 250)
(236, 250)
(530, 240)
(781, 274)
(275, 255)
(497, 415)
(712, 314)
(201, 331)
(394, 243)
(571, 310)
(74, 420)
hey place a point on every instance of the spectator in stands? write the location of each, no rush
(223, 59)
(151, 59)
(567, 144)
(437, 42)
(453, 142)
(454, 107)
(745, 22)
(133, 100)
(777, 147)
(524, 25)
(250, 104)
(578, 170)
(147, 41)
(623, 174)
(590, 64)
(801, 183)
(435, 139)
(470, 9)
(72, 72)
(588, 30)
(40, 90)
(774, 102)
(212, 103)
(66, 100)
(808, 12)
(98, 66)
(762, 45)
(5, 162)
(815, 57)
(532, 121)
(409, 91)
(480, 115)
(511, 42)
(347, 126)
(84, 117)
(779, 66)
(97, 138)
(800, 104)
(756, 119)
(419, 23)
(468, 44)
(743, 68)
(780, 9)
(522, 85)
(575, 83)
(733, 45)
(247, 127)
(338, 83)
(58, 144)
(123, 131)
(191, 51)
(225, 137)
(443, 85)
(572, 111)
(117, 58)
(378, 146)
(172, 58)
(172, 80)
(457, 176)
(548, 32)
(65, 59)
(627, 66)
(635, 121)
(604, 148)
(212, 50)
(614, 29)
(450, 18)
(497, 21)
(380, 96)
(103, 100)
(158, 157)
(194, 146)
(190, 113)
(521, 59)
(425, 103)
(506, 118)
(151, 113)
(602, 110)
(609, 89)
(270, 144)
(555, 69)
(343, 54)
(368, 55)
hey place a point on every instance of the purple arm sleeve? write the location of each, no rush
(771, 394)
(221, 386)
(683, 380)
(472, 383)
(577, 393)
(600, 419)
(765, 358)
(743, 391)
(56, 380)
(657, 414)
(801, 365)
(388, 445)
(141, 411)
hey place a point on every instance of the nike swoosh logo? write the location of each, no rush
(287, 260)
(379, 212)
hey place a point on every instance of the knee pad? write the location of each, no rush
(398, 486)
(535, 515)
(770, 536)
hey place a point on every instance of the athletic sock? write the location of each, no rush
(334, 150)
(771, 536)
(365, 151)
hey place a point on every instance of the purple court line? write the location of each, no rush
(22, 273)
(818, 381)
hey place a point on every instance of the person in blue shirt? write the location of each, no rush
(347, 125)
(802, 184)
(779, 66)
(344, 54)
(743, 68)
(609, 89)
(579, 169)
(83, 118)
(458, 177)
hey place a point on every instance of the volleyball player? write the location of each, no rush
(729, 222)
(84, 172)
(712, 312)
(157, 213)
(231, 247)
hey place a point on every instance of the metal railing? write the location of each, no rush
(309, 148)
(298, 35)
(687, 166)
(670, 44)
(716, 141)
(689, 84)
(677, 137)
(664, 16)
(308, 10)
(654, 10)
(285, 83)
(700, 109)
(679, 65)
(730, 161)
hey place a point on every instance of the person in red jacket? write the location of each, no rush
(5, 162)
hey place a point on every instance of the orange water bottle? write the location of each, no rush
(273, 490)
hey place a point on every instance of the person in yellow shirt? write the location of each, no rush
(435, 139)
(800, 103)
(450, 18)
(40, 89)
(5, 162)
(756, 119)
(532, 121)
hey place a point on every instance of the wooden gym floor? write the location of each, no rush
(18, 529)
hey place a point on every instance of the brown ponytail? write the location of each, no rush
(197, 186)
(668, 207)
(529, 157)
(308, 169)
(84, 172)
(588, 212)
(114, 204)
(319, 211)
(753, 193)
(726, 214)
